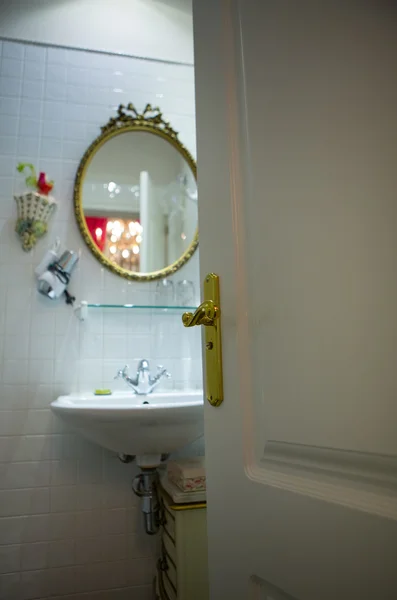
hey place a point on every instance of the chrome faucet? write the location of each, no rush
(143, 383)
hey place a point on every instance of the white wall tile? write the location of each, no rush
(56, 56)
(55, 91)
(62, 526)
(76, 94)
(10, 586)
(53, 110)
(11, 530)
(114, 322)
(76, 59)
(30, 108)
(88, 550)
(10, 86)
(12, 422)
(56, 73)
(142, 546)
(34, 556)
(115, 522)
(116, 497)
(88, 524)
(90, 373)
(115, 346)
(114, 547)
(64, 472)
(138, 346)
(51, 148)
(6, 181)
(24, 475)
(134, 520)
(40, 395)
(91, 345)
(7, 166)
(32, 89)
(34, 53)
(29, 127)
(30, 447)
(35, 584)
(10, 557)
(52, 129)
(9, 106)
(63, 499)
(64, 579)
(36, 528)
(61, 553)
(78, 76)
(24, 502)
(38, 421)
(17, 323)
(74, 112)
(139, 571)
(41, 371)
(27, 146)
(69, 523)
(88, 496)
(90, 471)
(43, 324)
(9, 126)
(16, 346)
(13, 50)
(11, 67)
(34, 70)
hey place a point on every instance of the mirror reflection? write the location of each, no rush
(139, 200)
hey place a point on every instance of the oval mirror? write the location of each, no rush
(136, 196)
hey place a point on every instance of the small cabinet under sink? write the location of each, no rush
(182, 569)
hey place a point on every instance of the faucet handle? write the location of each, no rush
(122, 373)
(163, 371)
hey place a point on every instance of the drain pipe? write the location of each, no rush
(144, 486)
(126, 458)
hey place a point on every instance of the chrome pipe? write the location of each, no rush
(144, 486)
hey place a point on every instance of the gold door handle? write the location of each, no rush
(206, 314)
(209, 315)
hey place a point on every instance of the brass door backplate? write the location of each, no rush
(209, 315)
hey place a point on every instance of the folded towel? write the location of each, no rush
(187, 473)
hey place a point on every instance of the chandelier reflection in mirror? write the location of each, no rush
(136, 196)
(118, 239)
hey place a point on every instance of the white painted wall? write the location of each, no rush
(160, 29)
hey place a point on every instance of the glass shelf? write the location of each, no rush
(142, 307)
(81, 310)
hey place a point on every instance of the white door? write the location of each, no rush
(297, 180)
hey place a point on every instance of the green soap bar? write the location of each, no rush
(103, 392)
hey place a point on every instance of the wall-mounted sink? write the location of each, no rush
(159, 423)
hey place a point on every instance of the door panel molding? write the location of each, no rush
(365, 482)
(359, 466)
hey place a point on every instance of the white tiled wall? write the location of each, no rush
(69, 525)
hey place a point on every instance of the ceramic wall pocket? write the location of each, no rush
(35, 208)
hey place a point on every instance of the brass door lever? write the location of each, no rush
(206, 314)
(209, 315)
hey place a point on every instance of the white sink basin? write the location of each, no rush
(124, 423)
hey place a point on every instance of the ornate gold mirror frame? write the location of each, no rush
(129, 119)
